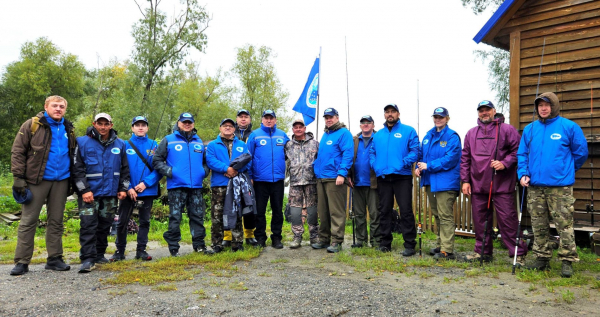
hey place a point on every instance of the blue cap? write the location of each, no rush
(330, 112)
(544, 98)
(186, 116)
(366, 118)
(242, 111)
(440, 111)
(269, 113)
(393, 105)
(22, 199)
(227, 120)
(486, 103)
(139, 118)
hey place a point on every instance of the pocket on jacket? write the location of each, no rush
(91, 158)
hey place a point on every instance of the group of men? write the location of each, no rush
(248, 169)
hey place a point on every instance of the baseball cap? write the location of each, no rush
(103, 115)
(298, 121)
(440, 111)
(330, 112)
(24, 198)
(486, 103)
(186, 116)
(227, 120)
(393, 105)
(139, 118)
(242, 111)
(366, 118)
(269, 113)
(544, 98)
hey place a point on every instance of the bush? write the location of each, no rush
(8, 204)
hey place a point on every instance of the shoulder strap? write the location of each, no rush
(35, 124)
(140, 155)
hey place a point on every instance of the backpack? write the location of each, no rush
(35, 125)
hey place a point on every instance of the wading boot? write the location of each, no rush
(540, 264)
(567, 269)
(237, 246)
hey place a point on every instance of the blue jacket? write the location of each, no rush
(58, 166)
(266, 145)
(336, 152)
(394, 152)
(362, 167)
(551, 152)
(441, 151)
(218, 159)
(181, 160)
(138, 170)
(100, 168)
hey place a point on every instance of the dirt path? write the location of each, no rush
(287, 283)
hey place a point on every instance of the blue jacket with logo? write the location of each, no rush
(138, 170)
(441, 151)
(101, 168)
(336, 152)
(218, 159)
(266, 145)
(551, 151)
(181, 159)
(58, 166)
(362, 166)
(394, 152)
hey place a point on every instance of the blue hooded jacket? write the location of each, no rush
(394, 152)
(551, 151)
(336, 153)
(218, 160)
(137, 167)
(266, 145)
(58, 164)
(441, 151)
(362, 167)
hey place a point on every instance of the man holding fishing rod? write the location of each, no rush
(488, 170)
(552, 149)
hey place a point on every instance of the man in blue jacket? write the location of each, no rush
(180, 157)
(332, 165)
(219, 154)
(266, 145)
(395, 149)
(101, 175)
(552, 149)
(140, 151)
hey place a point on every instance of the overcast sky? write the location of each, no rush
(390, 45)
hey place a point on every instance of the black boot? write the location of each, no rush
(276, 243)
(540, 264)
(20, 269)
(57, 264)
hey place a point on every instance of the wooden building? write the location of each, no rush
(559, 39)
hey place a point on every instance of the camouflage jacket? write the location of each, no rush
(300, 156)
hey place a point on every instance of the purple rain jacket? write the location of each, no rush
(478, 153)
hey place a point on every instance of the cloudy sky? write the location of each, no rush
(390, 45)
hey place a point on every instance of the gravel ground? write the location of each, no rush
(308, 282)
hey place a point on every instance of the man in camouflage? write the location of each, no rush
(300, 153)
(552, 149)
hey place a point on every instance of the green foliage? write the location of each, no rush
(478, 6)
(498, 74)
(8, 204)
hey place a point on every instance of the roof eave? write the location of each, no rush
(484, 34)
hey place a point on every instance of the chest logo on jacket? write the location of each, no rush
(443, 143)
(279, 141)
(239, 149)
(178, 147)
(555, 136)
(130, 151)
(263, 142)
(329, 142)
(398, 135)
(198, 148)
(115, 150)
(425, 141)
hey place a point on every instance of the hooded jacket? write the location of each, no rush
(441, 151)
(101, 167)
(551, 149)
(266, 145)
(335, 153)
(243, 135)
(138, 170)
(300, 156)
(218, 159)
(394, 152)
(361, 172)
(480, 149)
(181, 158)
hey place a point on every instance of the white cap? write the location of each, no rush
(103, 115)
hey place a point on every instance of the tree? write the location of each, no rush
(260, 88)
(158, 43)
(478, 6)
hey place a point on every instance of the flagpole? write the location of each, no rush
(318, 95)
(347, 90)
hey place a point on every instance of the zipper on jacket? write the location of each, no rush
(190, 162)
(272, 157)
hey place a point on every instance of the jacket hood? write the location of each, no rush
(554, 103)
(307, 137)
(267, 129)
(334, 127)
(94, 134)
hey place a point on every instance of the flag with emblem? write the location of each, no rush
(307, 103)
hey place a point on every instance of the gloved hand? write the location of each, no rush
(19, 185)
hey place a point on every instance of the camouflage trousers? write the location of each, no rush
(557, 202)
(303, 208)
(95, 220)
(191, 199)
(216, 215)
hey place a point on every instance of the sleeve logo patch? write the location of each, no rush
(115, 150)
(130, 151)
(178, 147)
(239, 149)
(425, 141)
(398, 135)
(556, 136)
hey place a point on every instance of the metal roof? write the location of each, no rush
(493, 20)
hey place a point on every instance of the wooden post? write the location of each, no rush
(514, 78)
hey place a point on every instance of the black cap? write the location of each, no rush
(138, 118)
(330, 112)
(393, 105)
(269, 113)
(366, 118)
(227, 120)
(186, 116)
(243, 111)
(486, 103)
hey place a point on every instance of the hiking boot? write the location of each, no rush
(261, 244)
(239, 246)
(217, 249)
(202, 249)
(226, 243)
(443, 255)
(87, 267)
(20, 269)
(142, 255)
(434, 251)
(118, 256)
(540, 264)
(408, 252)
(276, 243)
(334, 248)
(383, 249)
(520, 261)
(101, 259)
(174, 252)
(252, 242)
(567, 269)
(358, 245)
(319, 245)
(57, 264)
(296, 243)
(475, 257)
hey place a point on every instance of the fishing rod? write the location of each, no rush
(352, 216)
(419, 225)
(590, 207)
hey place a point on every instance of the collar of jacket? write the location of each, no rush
(94, 134)
(181, 133)
(139, 139)
(360, 135)
(549, 120)
(334, 127)
(397, 124)
(267, 129)
(434, 131)
(220, 139)
(486, 125)
(51, 121)
(307, 137)
(248, 128)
